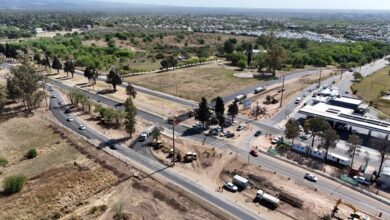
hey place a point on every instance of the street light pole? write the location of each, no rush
(319, 80)
(173, 141)
(281, 98)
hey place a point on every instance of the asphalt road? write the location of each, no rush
(171, 176)
(325, 185)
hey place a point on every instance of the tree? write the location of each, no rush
(233, 110)
(228, 47)
(164, 64)
(69, 68)
(203, 112)
(46, 62)
(32, 153)
(88, 73)
(56, 65)
(353, 143)
(114, 79)
(275, 58)
(242, 64)
(156, 133)
(172, 61)
(23, 84)
(13, 184)
(292, 129)
(357, 76)
(221, 121)
(260, 61)
(383, 148)
(131, 112)
(130, 91)
(3, 98)
(37, 58)
(316, 126)
(219, 106)
(249, 54)
(329, 139)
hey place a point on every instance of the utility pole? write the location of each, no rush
(257, 110)
(173, 141)
(319, 80)
(281, 98)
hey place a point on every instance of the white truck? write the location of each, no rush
(240, 98)
(260, 89)
(144, 136)
(272, 200)
(240, 182)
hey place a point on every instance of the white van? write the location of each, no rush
(240, 98)
(260, 89)
(298, 100)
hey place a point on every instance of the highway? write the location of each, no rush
(167, 173)
(325, 185)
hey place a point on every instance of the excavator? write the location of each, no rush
(354, 216)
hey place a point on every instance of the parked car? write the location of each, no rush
(70, 119)
(82, 127)
(362, 180)
(303, 137)
(254, 153)
(230, 186)
(197, 125)
(258, 133)
(276, 140)
(67, 111)
(241, 127)
(227, 134)
(311, 177)
(53, 96)
(113, 146)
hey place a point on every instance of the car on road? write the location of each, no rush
(53, 96)
(197, 125)
(276, 140)
(298, 100)
(346, 92)
(303, 137)
(67, 111)
(82, 127)
(227, 134)
(254, 153)
(304, 94)
(230, 186)
(311, 177)
(362, 180)
(241, 127)
(113, 146)
(258, 133)
(50, 88)
(70, 119)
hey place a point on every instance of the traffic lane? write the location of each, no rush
(268, 83)
(239, 212)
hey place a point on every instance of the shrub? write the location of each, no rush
(13, 184)
(32, 153)
(3, 162)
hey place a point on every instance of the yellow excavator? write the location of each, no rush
(354, 216)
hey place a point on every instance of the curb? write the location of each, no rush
(365, 192)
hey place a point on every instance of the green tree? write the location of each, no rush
(69, 67)
(37, 58)
(357, 76)
(13, 184)
(219, 106)
(260, 61)
(3, 162)
(384, 148)
(23, 84)
(131, 112)
(130, 91)
(275, 58)
(353, 143)
(114, 79)
(88, 73)
(228, 47)
(329, 139)
(203, 112)
(3, 98)
(233, 110)
(32, 153)
(292, 129)
(156, 133)
(164, 64)
(56, 65)
(242, 64)
(46, 62)
(316, 126)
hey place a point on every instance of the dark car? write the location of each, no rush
(67, 111)
(254, 153)
(258, 133)
(113, 146)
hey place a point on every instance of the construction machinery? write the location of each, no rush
(356, 215)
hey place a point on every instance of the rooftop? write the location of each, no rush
(348, 100)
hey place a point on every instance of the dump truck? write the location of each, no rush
(271, 200)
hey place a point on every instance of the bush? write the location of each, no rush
(32, 153)
(3, 162)
(13, 184)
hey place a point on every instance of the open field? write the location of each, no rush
(208, 81)
(72, 179)
(370, 88)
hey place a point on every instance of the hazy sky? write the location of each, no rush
(296, 4)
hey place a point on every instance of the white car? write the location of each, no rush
(241, 127)
(82, 127)
(54, 96)
(70, 119)
(361, 180)
(311, 177)
(230, 186)
(276, 140)
(197, 125)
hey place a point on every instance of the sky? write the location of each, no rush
(277, 4)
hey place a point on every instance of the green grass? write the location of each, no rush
(370, 88)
